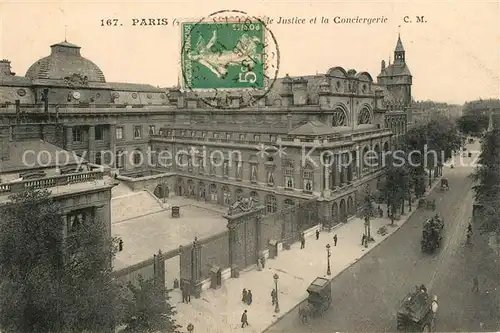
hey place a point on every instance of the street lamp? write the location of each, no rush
(277, 306)
(328, 255)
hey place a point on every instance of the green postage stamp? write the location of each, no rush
(223, 54)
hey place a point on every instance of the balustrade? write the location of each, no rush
(48, 182)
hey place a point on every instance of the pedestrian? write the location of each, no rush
(302, 241)
(263, 262)
(475, 284)
(363, 239)
(249, 297)
(317, 234)
(244, 319)
(273, 296)
(120, 245)
(187, 288)
(335, 240)
(184, 295)
(244, 295)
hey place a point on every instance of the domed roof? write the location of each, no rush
(65, 61)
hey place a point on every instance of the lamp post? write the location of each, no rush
(328, 255)
(277, 306)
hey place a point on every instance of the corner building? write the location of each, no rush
(312, 125)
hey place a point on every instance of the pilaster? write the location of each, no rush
(69, 138)
(112, 143)
(91, 151)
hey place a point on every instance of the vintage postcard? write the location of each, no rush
(254, 166)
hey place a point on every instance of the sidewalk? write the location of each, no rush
(219, 311)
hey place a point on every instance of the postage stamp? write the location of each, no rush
(228, 50)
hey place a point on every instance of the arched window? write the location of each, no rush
(238, 195)
(289, 203)
(271, 204)
(255, 196)
(364, 116)
(289, 179)
(137, 157)
(213, 193)
(226, 195)
(339, 118)
(365, 158)
(308, 180)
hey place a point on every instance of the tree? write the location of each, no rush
(368, 209)
(473, 124)
(147, 308)
(51, 283)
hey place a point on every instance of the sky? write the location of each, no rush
(454, 55)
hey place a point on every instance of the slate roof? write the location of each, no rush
(313, 128)
(135, 87)
(17, 150)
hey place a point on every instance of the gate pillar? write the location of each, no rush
(196, 268)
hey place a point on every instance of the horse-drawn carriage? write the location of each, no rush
(444, 184)
(427, 203)
(417, 311)
(318, 301)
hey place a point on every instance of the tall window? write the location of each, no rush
(99, 133)
(98, 158)
(213, 193)
(119, 133)
(77, 135)
(289, 176)
(152, 129)
(255, 196)
(289, 203)
(213, 162)
(238, 194)
(270, 176)
(253, 172)
(256, 137)
(201, 165)
(226, 195)
(237, 172)
(271, 204)
(137, 158)
(137, 132)
(225, 168)
(190, 163)
(120, 159)
(307, 176)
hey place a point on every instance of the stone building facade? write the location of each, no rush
(329, 118)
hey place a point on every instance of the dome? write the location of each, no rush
(65, 61)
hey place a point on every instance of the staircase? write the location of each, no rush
(126, 204)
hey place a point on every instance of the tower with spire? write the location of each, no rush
(397, 76)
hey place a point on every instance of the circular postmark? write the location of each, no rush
(229, 59)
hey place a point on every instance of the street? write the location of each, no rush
(366, 296)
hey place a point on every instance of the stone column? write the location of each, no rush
(69, 138)
(112, 144)
(91, 149)
(327, 174)
(196, 268)
(345, 167)
(337, 170)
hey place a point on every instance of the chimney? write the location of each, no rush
(300, 91)
(5, 68)
(324, 91)
(286, 91)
